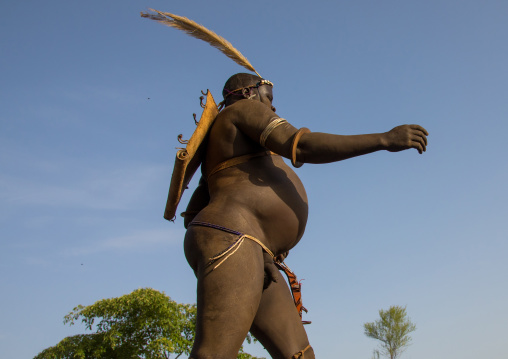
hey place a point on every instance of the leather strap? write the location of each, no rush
(238, 160)
(294, 146)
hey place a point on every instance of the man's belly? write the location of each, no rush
(268, 203)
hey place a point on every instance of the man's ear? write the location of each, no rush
(248, 93)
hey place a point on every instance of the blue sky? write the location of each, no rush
(93, 97)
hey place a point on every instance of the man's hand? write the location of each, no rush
(405, 137)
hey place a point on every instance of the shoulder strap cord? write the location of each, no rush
(300, 354)
(241, 159)
(238, 160)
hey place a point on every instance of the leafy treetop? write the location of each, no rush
(143, 324)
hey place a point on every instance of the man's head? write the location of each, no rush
(247, 86)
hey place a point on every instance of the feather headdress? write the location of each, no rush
(200, 32)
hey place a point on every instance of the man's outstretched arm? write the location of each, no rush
(325, 148)
(253, 117)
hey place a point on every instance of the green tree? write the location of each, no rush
(392, 329)
(143, 324)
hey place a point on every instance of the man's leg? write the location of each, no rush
(278, 325)
(228, 297)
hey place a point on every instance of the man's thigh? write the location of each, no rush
(278, 325)
(228, 299)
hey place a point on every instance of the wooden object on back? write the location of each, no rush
(189, 159)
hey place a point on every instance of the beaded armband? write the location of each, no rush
(274, 123)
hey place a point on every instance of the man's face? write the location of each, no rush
(266, 95)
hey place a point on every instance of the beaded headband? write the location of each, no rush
(259, 83)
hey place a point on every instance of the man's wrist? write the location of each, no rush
(383, 141)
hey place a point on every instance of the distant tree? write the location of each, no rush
(392, 329)
(143, 324)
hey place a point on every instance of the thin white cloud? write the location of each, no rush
(141, 240)
(99, 94)
(116, 189)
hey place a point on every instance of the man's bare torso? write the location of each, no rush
(262, 197)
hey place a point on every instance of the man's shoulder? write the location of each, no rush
(237, 107)
(245, 109)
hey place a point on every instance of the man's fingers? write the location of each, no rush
(422, 140)
(421, 135)
(419, 145)
(420, 128)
